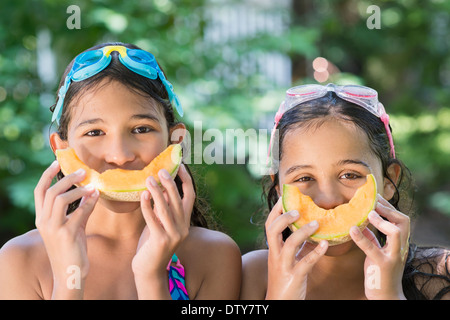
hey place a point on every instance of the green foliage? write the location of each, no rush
(406, 60)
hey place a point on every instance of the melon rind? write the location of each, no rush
(332, 238)
(123, 194)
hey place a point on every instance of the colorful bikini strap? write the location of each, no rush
(177, 283)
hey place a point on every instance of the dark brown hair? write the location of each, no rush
(151, 89)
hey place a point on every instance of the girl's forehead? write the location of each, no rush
(332, 138)
(113, 101)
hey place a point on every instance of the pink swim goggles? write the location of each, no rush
(359, 95)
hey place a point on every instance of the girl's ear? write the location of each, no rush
(393, 171)
(57, 143)
(177, 133)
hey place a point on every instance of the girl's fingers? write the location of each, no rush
(275, 229)
(56, 194)
(308, 262)
(365, 244)
(384, 202)
(171, 212)
(371, 236)
(62, 201)
(173, 196)
(386, 210)
(42, 186)
(149, 215)
(161, 208)
(399, 220)
(295, 240)
(276, 211)
(392, 231)
(81, 215)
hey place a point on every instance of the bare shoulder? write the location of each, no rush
(211, 241)
(22, 248)
(255, 261)
(208, 235)
(214, 246)
(212, 261)
(22, 259)
(254, 275)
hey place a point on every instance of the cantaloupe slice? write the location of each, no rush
(120, 184)
(334, 224)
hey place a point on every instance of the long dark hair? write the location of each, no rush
(316, 112)
(151, 89)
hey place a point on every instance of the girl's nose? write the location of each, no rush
(328, 196)
(119, 152)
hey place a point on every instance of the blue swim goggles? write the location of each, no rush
(89, 63)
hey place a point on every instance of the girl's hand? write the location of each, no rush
(383, 267)
(288, 268)
(64, 235)
(167, 225)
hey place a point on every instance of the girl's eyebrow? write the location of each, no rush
(145, 116)
(297, 167)
(352, 161)
(90, 121)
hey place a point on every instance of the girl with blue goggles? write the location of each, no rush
(89, 63)
(113, 110)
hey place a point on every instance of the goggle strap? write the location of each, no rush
(57, 112)
(385, 119)
(278, 117)
(176, 102)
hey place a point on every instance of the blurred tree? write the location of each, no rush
(224, 82)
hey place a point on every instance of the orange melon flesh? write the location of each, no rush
(120, 184)
(334, 224)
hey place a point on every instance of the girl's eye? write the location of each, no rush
(350, 176)
(142, 130)
(94, 133)
(304, 179)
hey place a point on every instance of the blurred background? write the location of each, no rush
(231, 62)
